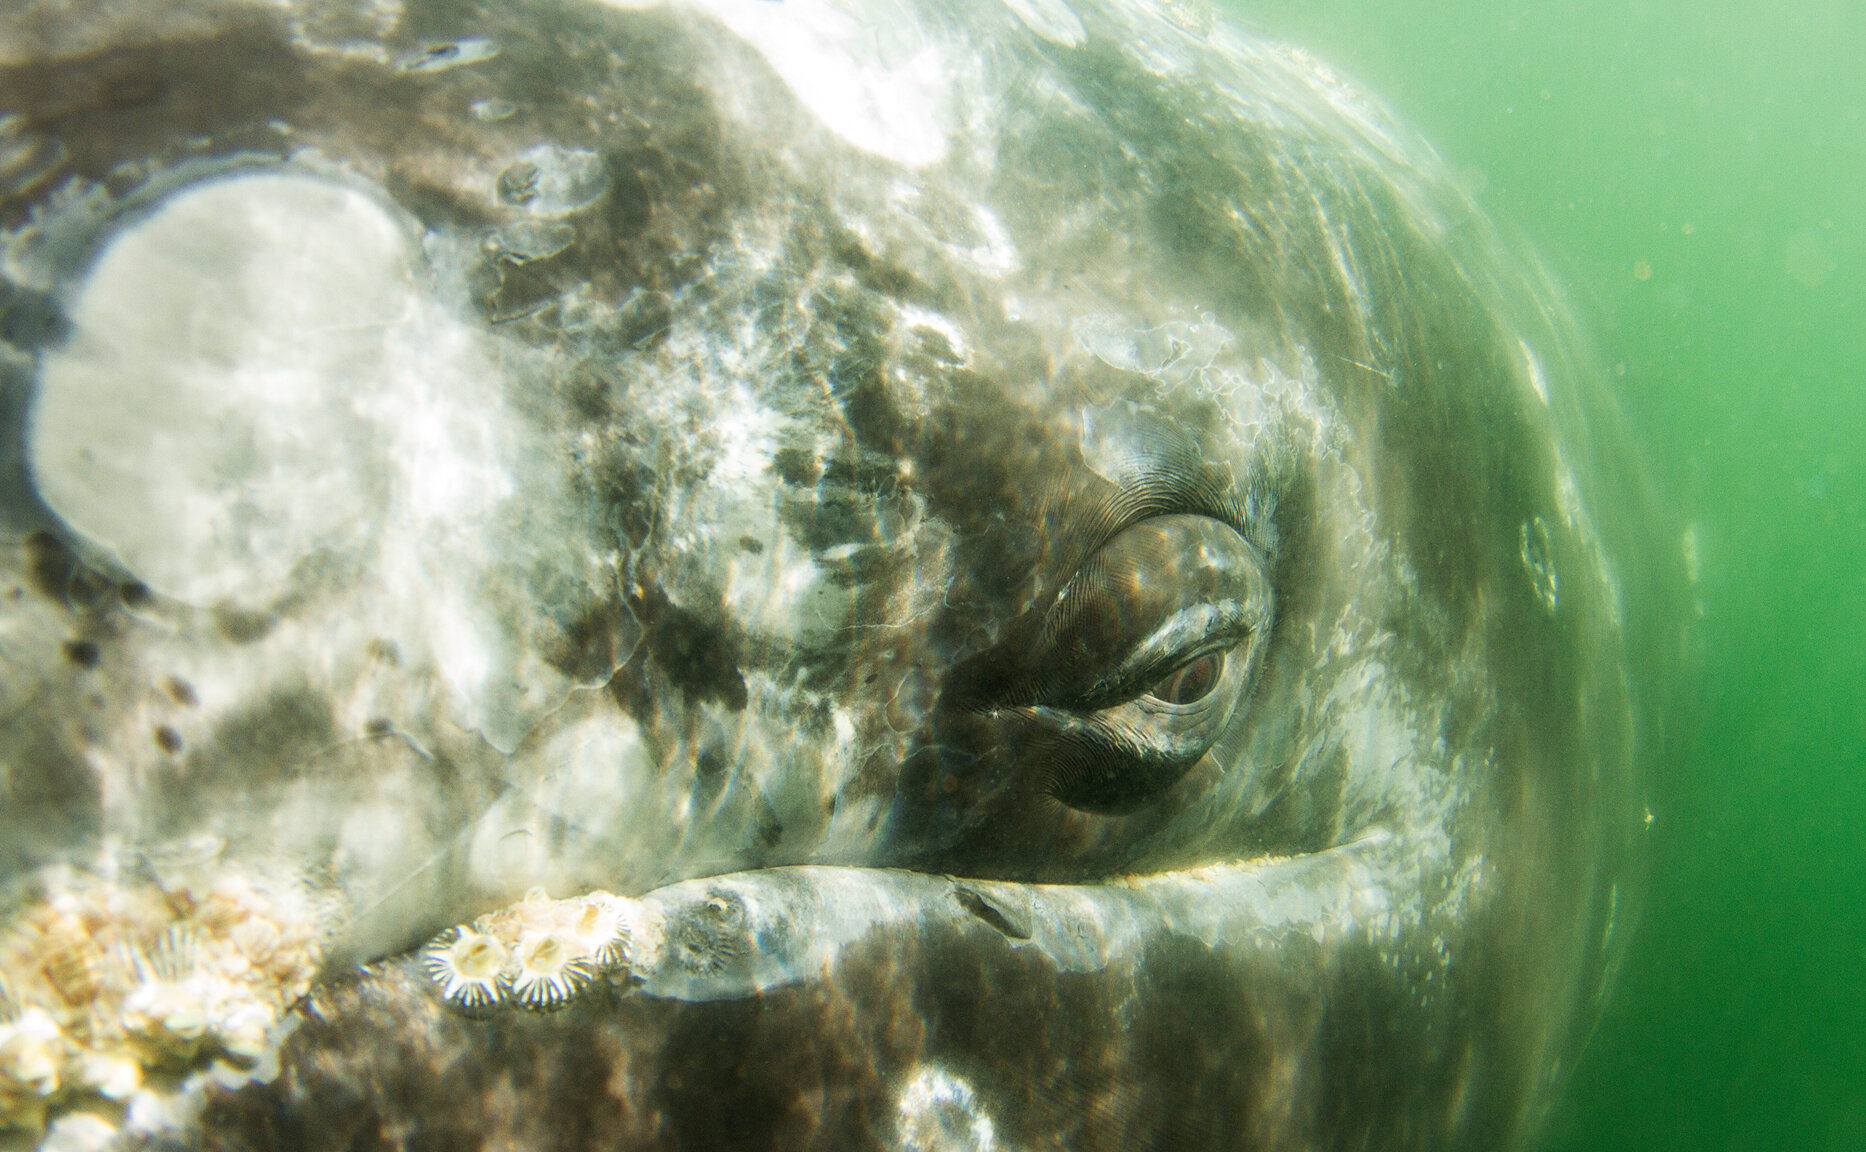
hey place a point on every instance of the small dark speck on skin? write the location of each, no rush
(752, 544)
(180, 691)
(168, 739)
(379, 727)
(83, 653)
(135, 595)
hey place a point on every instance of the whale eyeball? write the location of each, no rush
(1190, 682)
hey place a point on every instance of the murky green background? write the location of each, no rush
(1698, 173)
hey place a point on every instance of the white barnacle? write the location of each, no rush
(467, 966)
(31, 1052)
(550, 971)
(600, 930)
(170, 993)
(176, 955)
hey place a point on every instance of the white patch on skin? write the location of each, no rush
(1574, 513)
(264, 408)
(199, 423)
(997, 254)
(577, 817)
(1053, 20)
(784, 593)
(875, 80)
(912, 317)
(1538, 379)
(939, 1111)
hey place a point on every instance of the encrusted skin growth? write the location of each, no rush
(538, 953)
(107, 983)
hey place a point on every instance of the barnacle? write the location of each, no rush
(711, 939)
(540, 953)
(549, 973)
(32, 1051)
(469, 967)
(601, 929)
(104, 979)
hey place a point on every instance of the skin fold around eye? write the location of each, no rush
(1147, 656)
(1158, 597)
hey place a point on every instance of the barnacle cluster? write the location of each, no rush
(112, 989)
(538, 953)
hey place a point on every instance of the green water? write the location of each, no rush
(1698, 173)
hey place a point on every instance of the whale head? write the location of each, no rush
(715, 573)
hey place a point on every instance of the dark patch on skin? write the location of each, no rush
(1304, 810)
(587, 392)
(168, 739)
(50, 566)
(768, 833)
(751, 545)
(242, 625)
(982, 908)
(88, 590)
(52, 799)
(83, 653)
(525, 289)
(646, 319)
(377, 727)
(30, 320)
(709, 774)
(180, 691)
(139, 104)
(832, 503)
(698, 656)
(261, 747)
(1102, 776)
(878, 275)
(796, 466)
(588, 646)
(626, 488)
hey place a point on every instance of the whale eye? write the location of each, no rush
(1100, 702)
(1190, 682)
(1144, 659)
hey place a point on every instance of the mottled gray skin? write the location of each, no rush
(821, 408)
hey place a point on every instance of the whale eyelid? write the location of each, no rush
(1159, 490)
(1191, 633)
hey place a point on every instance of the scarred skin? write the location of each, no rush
(907, 575)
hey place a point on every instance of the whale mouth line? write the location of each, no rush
(741, 934)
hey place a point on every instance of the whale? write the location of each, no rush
(785, 574)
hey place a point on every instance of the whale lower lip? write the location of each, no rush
(745, 934)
